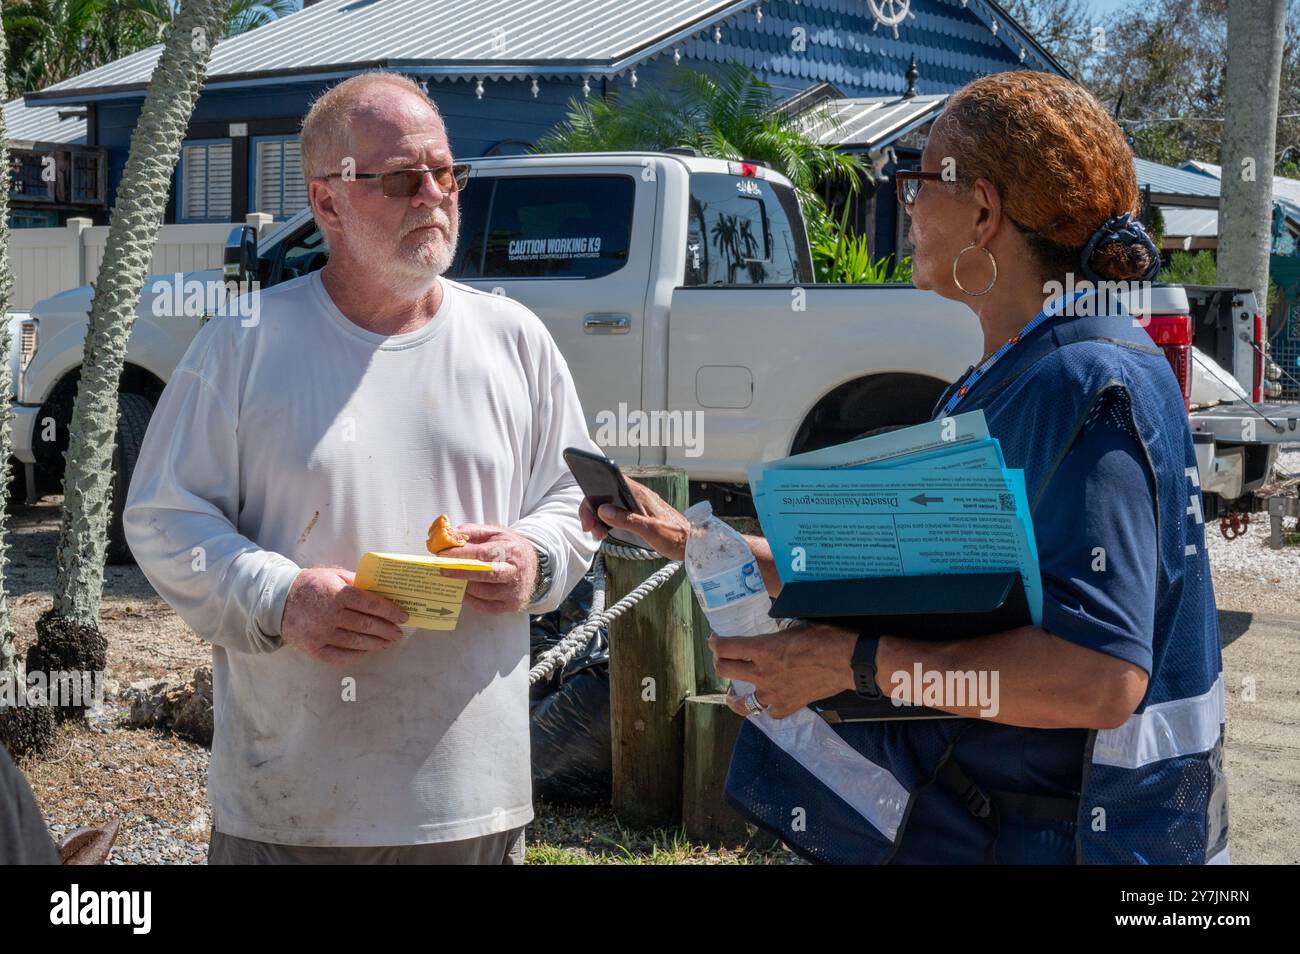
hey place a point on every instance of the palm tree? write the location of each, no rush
(56, 39)
(729, 117)
(243, 15)
(23, 729)
(67, 635)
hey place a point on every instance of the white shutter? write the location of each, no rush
(205, 186)
(194, 187)
(220, 162)
(281, 190)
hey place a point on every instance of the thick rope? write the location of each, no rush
(567, 649)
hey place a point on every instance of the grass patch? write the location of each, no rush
(569, 835)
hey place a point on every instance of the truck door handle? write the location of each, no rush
(605, 323)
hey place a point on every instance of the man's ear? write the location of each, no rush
(324, 204)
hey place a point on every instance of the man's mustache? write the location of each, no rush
(442, 221)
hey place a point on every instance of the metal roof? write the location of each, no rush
(1196, 223)
(488, 38)
(1177, 187)
(496, 39)
(1286, 191)
(869, 122)
(25, 123)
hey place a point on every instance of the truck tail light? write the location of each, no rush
(1173, 333)
(749, 169)
(1257, 392)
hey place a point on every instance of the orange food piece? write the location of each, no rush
(442, 535)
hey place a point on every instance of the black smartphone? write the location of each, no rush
(600, 479)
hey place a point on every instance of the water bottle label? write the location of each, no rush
(729, 586)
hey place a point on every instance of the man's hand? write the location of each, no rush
(509, 586)
(329, 619)
(788, 669)
(659, 524)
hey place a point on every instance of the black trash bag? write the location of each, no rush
(572, 763)
(569, 711)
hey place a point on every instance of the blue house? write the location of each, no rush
(502, 72)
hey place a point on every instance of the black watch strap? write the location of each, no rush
(864, 667)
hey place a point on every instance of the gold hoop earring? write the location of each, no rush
(992, 281)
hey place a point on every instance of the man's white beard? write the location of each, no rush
(406, 268)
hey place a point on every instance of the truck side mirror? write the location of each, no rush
(241, 254)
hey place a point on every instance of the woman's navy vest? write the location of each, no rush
(1153, 790)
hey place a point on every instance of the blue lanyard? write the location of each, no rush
(1049, 311)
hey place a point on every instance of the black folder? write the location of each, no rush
(934, 607)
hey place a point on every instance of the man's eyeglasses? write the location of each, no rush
(908, 183)
(404, 183)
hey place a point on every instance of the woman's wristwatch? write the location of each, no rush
(864, 667)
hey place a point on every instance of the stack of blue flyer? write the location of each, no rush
(932, 499)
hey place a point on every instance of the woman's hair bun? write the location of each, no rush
(1115, 260)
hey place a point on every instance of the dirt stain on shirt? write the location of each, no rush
(311, 524)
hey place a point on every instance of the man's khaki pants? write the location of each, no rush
(502, 848)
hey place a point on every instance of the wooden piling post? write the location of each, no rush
(711, 730)
(651, 673)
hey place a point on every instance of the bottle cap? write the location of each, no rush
(699, 513)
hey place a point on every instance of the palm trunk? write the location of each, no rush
(68, 636)
(23, 729)
(1255, 31)
(8, 654)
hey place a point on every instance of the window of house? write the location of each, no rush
(204, 182)
(277, 182)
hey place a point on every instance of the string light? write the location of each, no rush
(535, 87)
(586, 87)
(478, 88)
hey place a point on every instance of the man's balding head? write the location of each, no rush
(327, 127)
(368, 125)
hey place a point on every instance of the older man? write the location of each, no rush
(368, 398)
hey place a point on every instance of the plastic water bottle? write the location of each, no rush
(726, 580)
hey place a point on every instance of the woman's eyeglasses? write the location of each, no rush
(908, 183)
(404, 183)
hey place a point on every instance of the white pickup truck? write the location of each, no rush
(679, 289)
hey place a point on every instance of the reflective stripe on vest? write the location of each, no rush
(868, 788)
(1165, 730)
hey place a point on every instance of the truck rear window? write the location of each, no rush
(744, 231)
(545, 227)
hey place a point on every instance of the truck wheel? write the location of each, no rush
(867, 406)
(133, 416)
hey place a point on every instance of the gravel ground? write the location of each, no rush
(1248, 575)
(155, 782)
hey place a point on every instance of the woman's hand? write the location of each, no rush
(659, 525)
(788, 669)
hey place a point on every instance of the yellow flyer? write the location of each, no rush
(416, 584)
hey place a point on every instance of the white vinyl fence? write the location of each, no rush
(48, 261)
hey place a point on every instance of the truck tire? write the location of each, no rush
(867, 406)
(133, 413)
